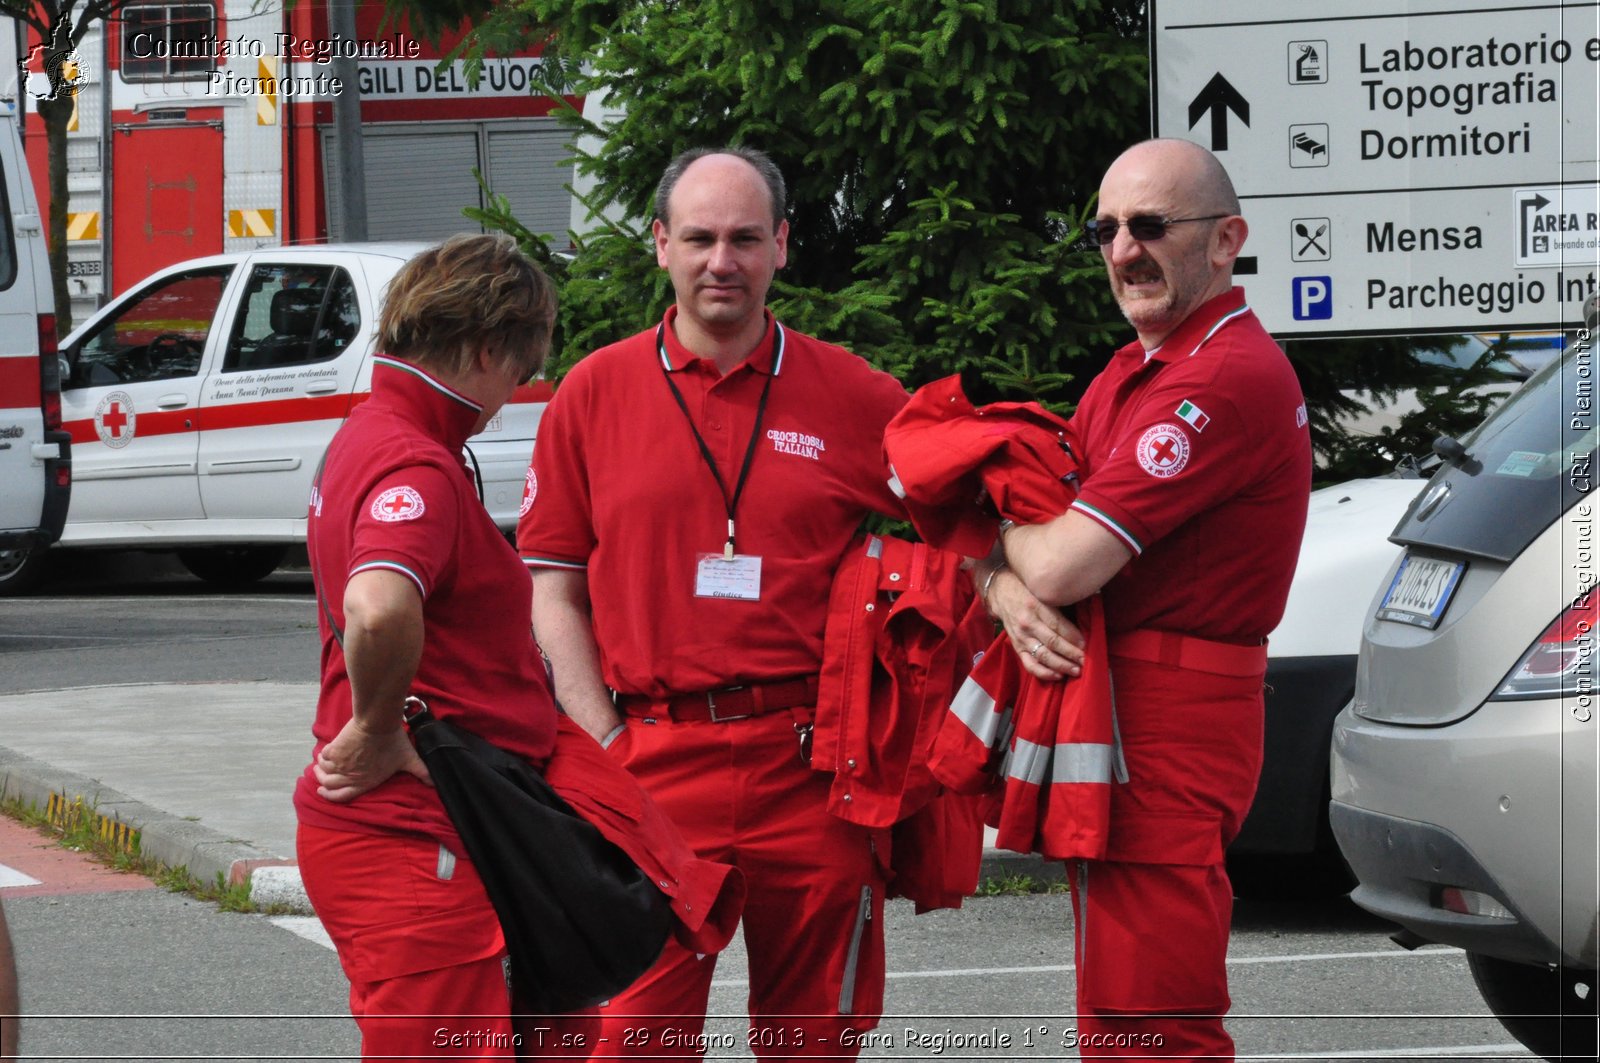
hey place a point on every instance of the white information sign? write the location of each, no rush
(1404, 165)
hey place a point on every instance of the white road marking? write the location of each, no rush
(1395, 953)
(1234, 961)
(310, 928)
(306, 926)
(10, 876)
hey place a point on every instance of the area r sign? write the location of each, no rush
(1405, 166)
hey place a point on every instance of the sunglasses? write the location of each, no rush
(1142, 227)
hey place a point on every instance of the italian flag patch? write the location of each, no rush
(1194, 415)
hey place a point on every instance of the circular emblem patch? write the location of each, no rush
(114, 420)
(398, 503)
(1164, 450)
(529, 489)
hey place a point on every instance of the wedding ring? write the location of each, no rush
(1034, 652)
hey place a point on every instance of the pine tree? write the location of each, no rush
(941, 158)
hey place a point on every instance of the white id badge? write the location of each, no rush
(739, 577)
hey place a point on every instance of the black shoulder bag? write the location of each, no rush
(581, 921)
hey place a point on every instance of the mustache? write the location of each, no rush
(1144, 269)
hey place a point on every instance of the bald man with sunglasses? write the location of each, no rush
(1188, 525)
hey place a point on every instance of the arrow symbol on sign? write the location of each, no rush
(1219, 98)
(1537, 203)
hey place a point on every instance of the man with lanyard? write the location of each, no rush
(1188, 523)
(695, 488)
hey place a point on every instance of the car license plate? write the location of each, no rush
(1421, 591)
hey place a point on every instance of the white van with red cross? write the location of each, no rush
(200, 402)
(35, 468)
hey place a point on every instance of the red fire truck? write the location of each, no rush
(204, 126)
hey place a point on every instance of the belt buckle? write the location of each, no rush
(711, 705)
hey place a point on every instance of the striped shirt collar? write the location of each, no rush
(434, 405)
(766, 357)
(1206, 321)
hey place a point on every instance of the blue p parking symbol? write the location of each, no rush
(1313, 298)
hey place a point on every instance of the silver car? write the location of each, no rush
(1464, 770)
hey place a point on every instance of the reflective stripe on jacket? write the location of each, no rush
(1044, 753)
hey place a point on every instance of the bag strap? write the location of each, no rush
(416, 714)
(316, 577)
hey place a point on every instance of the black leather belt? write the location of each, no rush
(724, 703)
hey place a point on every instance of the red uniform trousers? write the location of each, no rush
(1152, 920)
(422, 947)
(741, 793)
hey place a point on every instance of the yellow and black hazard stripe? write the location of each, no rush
(64, 812)
(83, 225)
(263, 222)
(267, 102)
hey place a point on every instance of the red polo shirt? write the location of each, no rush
(624, 493)
(396, 496)
(1198, 458)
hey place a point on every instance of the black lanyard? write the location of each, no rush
(732, 504)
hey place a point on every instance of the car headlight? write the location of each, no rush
(1560, 663)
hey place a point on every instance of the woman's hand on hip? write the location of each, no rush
(358, 760)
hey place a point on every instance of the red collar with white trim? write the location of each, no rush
(766, 357)
(433, 406)
(1206, 320)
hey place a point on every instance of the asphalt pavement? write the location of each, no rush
(185, 716)
(202, 771)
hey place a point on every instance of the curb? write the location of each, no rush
(274, 882)
(1003, 864)
(278, 885)
(173, 840)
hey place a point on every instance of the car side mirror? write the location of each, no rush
(71, 358)
(1451, 450)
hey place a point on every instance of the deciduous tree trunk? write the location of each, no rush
(55, 114)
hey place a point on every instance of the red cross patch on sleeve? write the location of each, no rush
(530, 488)
(397, 504)
(1163, 450)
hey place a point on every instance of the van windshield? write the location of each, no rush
(1526, 464)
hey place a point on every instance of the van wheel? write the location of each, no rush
(233, 566)
(1551, 1010)
(22, 569)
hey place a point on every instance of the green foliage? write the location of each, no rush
(941, 158)
(1007, 884)
(234, 897)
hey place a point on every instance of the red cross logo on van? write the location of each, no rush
(115, 420)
